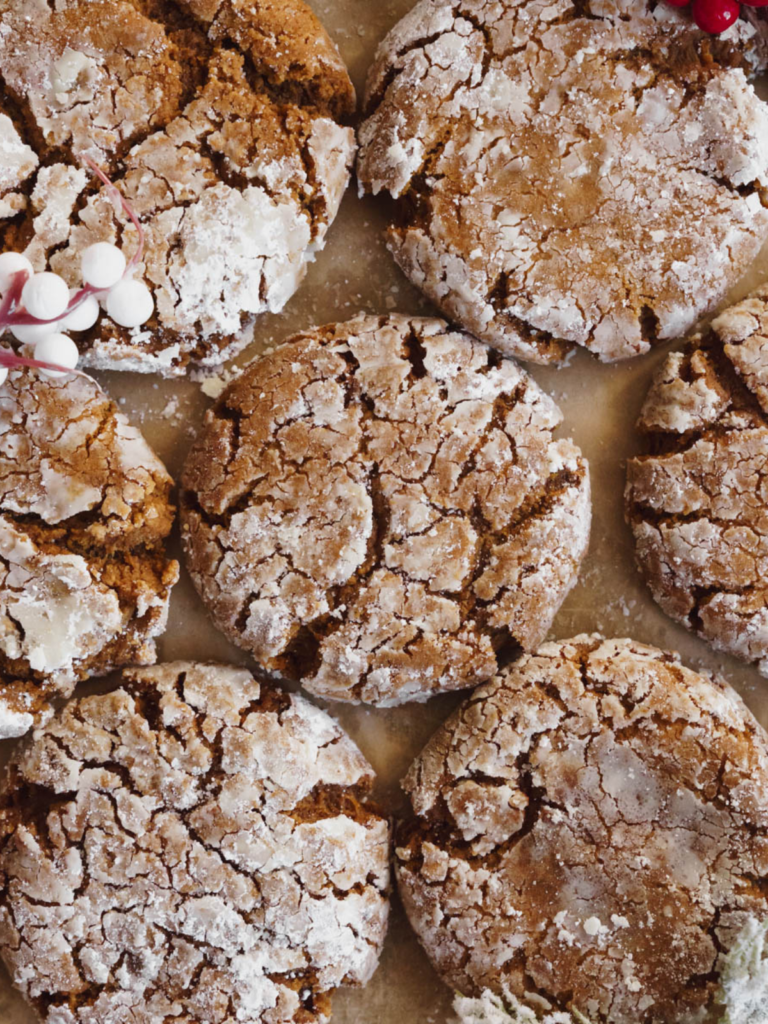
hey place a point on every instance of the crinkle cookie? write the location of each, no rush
(379, 509)
(698, 502)
(220, 122)
(193, 847)
(567, 173)
(84, 510)
(591, 841)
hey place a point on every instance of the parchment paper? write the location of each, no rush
(600, 404)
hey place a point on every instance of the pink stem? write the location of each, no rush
(12, 296)
(127, 208)
(12, 362)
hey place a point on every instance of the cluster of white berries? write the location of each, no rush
(46, 306)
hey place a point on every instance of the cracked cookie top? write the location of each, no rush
(194, 846)
(84, 510)
(379, 509)
(697, 503)
(591, 838)
(568, 173)
(220, 124)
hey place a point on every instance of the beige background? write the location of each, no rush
(600, 404)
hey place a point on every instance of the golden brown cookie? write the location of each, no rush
(590, 841)
(85, 508)
(568, 173)
(220, 122)
(697, 501)
(192, 847)
(379, 509)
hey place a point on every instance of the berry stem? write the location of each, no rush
(10, 361)
(12, 297)
(127, 208)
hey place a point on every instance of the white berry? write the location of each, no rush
(130, 303)
(3, 375)
(102, 265)
(59, 349)
(31, 334)
(11, 263)
(83, 316)
(45, 296)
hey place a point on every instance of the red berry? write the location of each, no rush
(715, 16)
(755, 3)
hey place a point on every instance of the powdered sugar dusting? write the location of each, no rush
(557, 162)
(697, 507)
(194, 862)
(489, 1008)
(55, 611)
(744, 976)
(575, 833)
(236, 181)
(407, 505)
(17, 162)
(85, 509)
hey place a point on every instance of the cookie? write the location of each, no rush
(194, 846)
(221, 124)
(84, 510)
(567, 173)
(590, 839)
(697, 501)
(379, 509)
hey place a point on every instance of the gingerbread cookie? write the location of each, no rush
(697, 502)
(379, 509)
(589, 843)
(220, 122)
(193, 846)
(568, 173)
(84, 510)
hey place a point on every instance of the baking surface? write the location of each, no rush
(600, 404)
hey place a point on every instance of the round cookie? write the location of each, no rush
(568, 173)
(194, 846)
(697, 502)
(379, 509)
(84, 510)
(219, 121)
(591, 839)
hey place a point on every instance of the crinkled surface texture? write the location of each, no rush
(84, 510)
(490, 1008)
(698, 502)
(219, 120)
(591, 835)
(193, 847)
(568, 173)
(379, 508)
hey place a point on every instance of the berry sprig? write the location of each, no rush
(38, 308)
(715, 16)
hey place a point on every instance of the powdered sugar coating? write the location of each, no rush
(18, 162)
(591, 830)
(84, 509)
(567, 174)
(219, 122)
(490, 1008)
(697, 504)
(378, 507)
(744, 978)
(55, 611)
(198, 847)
